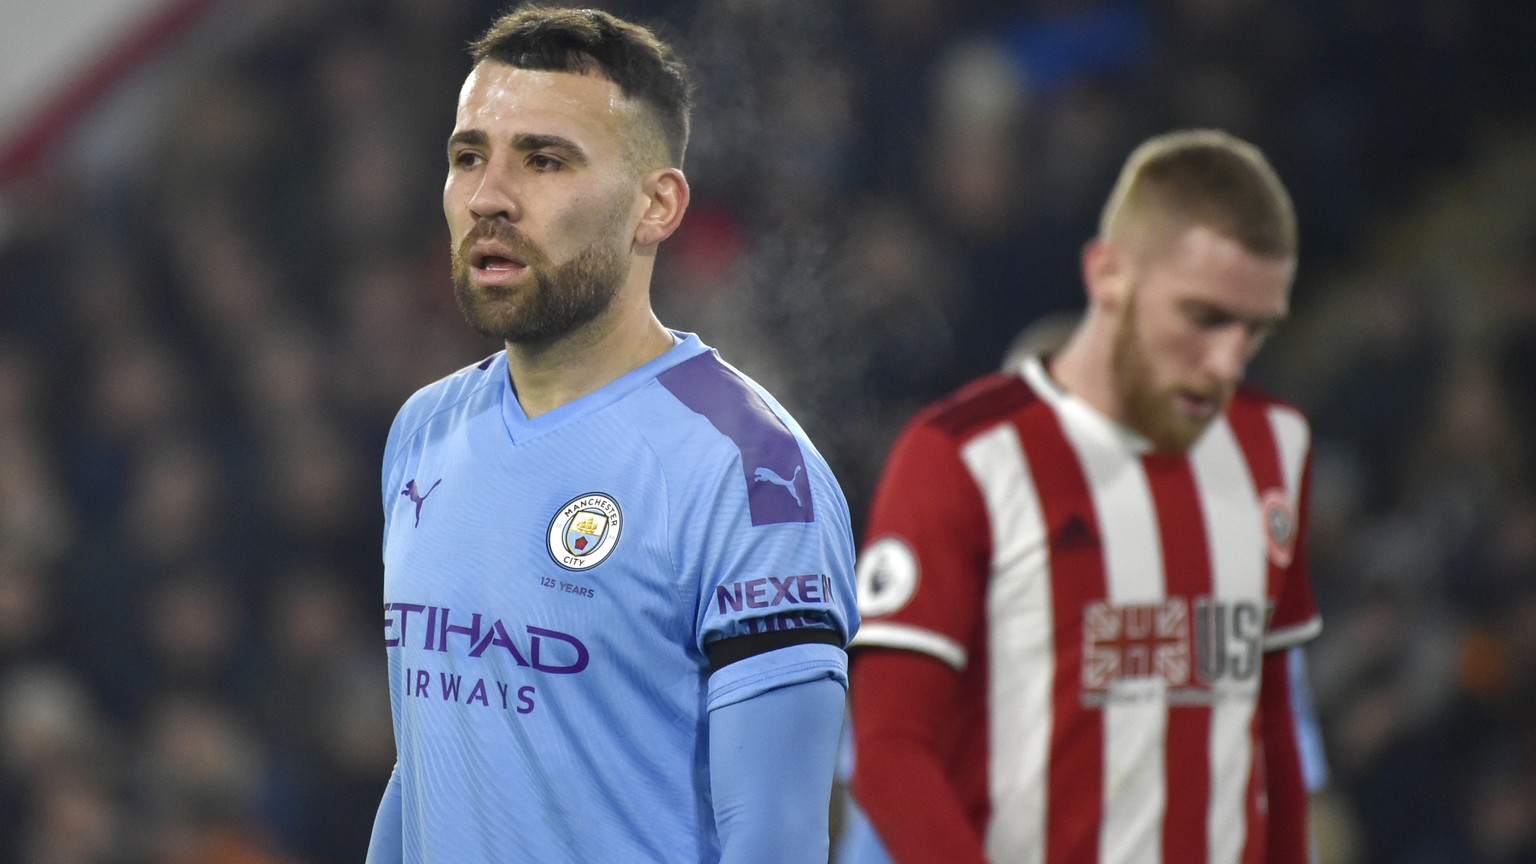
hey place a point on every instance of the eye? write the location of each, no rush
(466, 159)
(544, 162)
(1207, 317)
(1259, 331)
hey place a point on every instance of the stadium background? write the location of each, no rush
(222, 268)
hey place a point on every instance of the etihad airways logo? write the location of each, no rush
(439, 628)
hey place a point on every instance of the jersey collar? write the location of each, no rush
(520, 428)
(1073, 410)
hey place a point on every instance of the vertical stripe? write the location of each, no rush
(1187, 570)
(1234, 530)
(1020, 634)
(1291, 437)
(1135, 714)
(1254, 844)
(1075, 791)
(1264, 463)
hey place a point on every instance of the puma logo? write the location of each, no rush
(768, 475)
(418, 497)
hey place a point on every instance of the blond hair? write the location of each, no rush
(1200, 177)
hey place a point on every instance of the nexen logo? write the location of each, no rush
(772, 591)
(437, 627)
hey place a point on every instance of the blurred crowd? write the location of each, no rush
(216, 293)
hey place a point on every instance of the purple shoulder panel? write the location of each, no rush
(778, 487)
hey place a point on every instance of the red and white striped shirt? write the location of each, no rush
(1108, 608)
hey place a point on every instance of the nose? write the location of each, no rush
(495, 195)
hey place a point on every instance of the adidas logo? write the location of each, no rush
(1074, 533)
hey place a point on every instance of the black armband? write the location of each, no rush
(724, 652)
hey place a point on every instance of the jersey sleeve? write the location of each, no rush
(391, 477)
(1295, 619)
(773, 576)
(759, 528)
(922, 573)
(902, 706)
(1284, 788)
(385, 844)
(770, 767)
(405, 431)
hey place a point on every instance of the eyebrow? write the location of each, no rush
(1261, 321)
(526, 142)
(468, 138)
(530, 141)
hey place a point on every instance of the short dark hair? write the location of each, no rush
(554, 39)
(1203, 177)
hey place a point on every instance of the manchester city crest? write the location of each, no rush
(585, 531)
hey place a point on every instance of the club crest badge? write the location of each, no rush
(585, 531)
(1279, 526)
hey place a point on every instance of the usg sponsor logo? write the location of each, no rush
(1197, 650)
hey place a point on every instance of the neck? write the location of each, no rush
(1085, 366)
(547, 376)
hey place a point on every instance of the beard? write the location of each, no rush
(563, 298)
(1149, 409)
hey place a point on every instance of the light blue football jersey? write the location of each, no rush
(550, 585)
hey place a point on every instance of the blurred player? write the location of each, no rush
(618, 578)
(1083, 575)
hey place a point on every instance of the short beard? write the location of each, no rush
(563, 299)
(1148, 410)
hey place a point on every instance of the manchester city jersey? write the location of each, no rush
(551, 584)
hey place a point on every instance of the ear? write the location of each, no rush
(1106, 273)
(666, 196)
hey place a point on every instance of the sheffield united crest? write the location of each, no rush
(1279, 526)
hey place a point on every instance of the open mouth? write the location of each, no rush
(1200, 407)
(495, 266)
(496, 263)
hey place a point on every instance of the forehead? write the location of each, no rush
(502, 100)
(1203, 266)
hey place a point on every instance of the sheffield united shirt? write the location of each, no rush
(1109, 608)
(551, 584)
